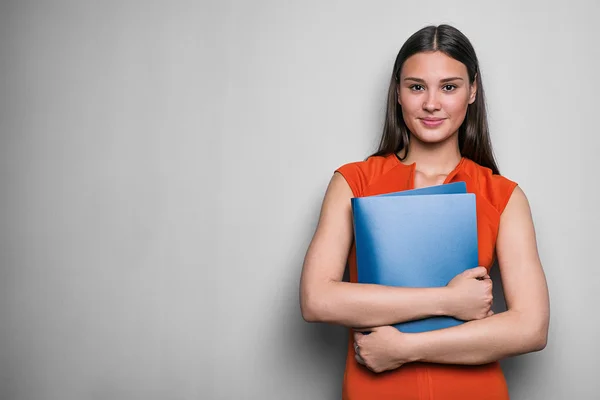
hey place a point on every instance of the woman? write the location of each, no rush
(435, 132)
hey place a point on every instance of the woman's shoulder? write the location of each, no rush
(495, 188)
(360, 174)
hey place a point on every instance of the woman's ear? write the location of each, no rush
(473, 94)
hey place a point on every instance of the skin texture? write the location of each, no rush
(425, 90)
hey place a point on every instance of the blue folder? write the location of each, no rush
(416, 238)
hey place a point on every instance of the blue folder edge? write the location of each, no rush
(447, 188)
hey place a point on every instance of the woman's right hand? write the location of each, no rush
(470, 295)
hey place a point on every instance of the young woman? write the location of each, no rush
(435, 132)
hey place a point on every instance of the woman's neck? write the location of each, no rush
(432, 160)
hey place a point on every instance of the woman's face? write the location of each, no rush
(434, 93)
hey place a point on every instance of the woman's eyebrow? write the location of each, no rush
(454, 78)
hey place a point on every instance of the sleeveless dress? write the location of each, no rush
(428, 381)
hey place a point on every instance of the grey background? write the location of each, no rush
(163, 164)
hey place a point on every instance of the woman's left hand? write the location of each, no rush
(385, 348)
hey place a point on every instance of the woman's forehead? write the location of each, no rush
(432, 65)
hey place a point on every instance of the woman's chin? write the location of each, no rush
(432, 137)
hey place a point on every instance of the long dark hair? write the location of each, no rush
(473, 135)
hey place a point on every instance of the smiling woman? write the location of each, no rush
(435, 132)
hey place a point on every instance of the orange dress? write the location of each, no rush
(428, 381)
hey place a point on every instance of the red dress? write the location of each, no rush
(428, 381)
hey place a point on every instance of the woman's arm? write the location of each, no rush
(325, 298)
(521, 329)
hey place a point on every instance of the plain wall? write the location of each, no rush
(163, 166)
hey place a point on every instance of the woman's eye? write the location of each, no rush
(416, 87)
(449, 88)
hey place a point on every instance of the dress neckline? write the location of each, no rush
(413, 166)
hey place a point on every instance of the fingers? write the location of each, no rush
(478, 272)
(356, 345)
(490, 313)
(357, 356)
(359, 360)
(357, 336)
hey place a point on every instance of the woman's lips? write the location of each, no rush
(432, 123)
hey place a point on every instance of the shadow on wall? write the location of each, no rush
(318, 351)
(312, 354)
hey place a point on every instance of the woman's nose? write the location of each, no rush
(431, 102)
